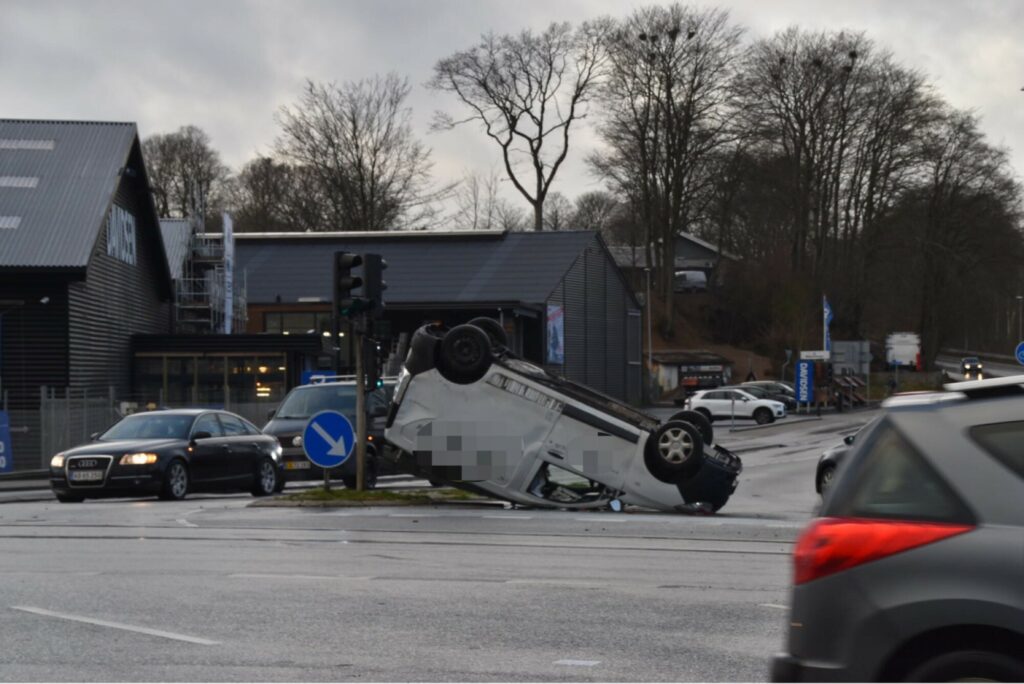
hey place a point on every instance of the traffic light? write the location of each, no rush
(374, 283)
(347, 301)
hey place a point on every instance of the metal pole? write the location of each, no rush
(650, 338)
(1020, 310)
(360, 412)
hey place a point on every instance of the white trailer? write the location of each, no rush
(902, 349)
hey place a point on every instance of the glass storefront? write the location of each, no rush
(229, 381)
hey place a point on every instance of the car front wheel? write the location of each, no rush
(826, 478)
(465, 354)
(266, 478)
(175, 485)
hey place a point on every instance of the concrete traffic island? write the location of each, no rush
(350, 498)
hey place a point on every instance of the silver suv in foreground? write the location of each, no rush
(470, 413)
(915, 569)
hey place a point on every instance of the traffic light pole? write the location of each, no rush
(359, 330)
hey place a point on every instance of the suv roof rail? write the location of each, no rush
(992, 387)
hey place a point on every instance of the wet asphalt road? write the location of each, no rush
(210, 589)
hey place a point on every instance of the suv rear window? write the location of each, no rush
(1004, 441)
(891, 479)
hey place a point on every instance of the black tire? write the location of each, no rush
(280, 485)
(493, 329)
(70, 498)
(968, 665)
(825, 478)
(707, 414)
(674, 452)
(436, 483)
(699, 421)
(176, 482)
(369, 478)
(265, 479)
(465, 355)
(763, 416)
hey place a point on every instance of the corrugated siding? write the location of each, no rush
(615, 337)
(574, 296)
(33, 352)
(634, 364)
(116, 301)
(60, 215)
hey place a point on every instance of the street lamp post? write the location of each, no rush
(647, 305)
(1020, 309)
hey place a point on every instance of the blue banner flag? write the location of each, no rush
(827, 315)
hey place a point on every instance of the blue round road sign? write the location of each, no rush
(1020, 353)
(328, 439)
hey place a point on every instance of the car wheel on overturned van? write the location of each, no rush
(699, 421)
(493, 329)
(674, 451)
(464, 354)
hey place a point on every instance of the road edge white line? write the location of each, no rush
(773, 605)
(116, 625)
(578, 663)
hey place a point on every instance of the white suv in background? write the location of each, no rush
(725, 403)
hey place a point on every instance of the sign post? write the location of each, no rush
(805, 382)
(6, 457)
(328, 440)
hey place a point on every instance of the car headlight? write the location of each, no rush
(297, 441)
(142, 458)
(57, 461)
(277, 451)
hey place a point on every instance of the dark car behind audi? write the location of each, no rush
(913, 571)
(169, 454)
(330, 393)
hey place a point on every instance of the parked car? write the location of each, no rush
(329, 393)
(727, 402)
(764, 392)
(169, 454)
(690, 281)
(775, 386)
(971, 368)
(469, 412)
(913, 571)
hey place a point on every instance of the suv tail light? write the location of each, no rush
(831, 545)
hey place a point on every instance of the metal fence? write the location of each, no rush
(68, 416)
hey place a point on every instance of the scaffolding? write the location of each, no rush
(200, 293)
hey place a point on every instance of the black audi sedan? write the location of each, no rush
(170, 454)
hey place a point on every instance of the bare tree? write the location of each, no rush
(558, 212)
(271, 195)
(596, 211)
(666, 111)
(526, 91)
(356, 141)
(184, 171)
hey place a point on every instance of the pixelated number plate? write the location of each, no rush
(296, 465)
(87, 475)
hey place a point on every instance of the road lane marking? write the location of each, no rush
(773, 605)
(603, 519)
(578, 663)
(508, 517)
(254, 575)
(186, 523)
(117, 625)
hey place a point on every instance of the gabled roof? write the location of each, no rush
(176, 234)
(57, 179)
(423, 267)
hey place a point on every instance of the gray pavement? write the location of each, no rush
(210, 589)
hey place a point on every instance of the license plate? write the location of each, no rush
(296, 465)
(86, 475)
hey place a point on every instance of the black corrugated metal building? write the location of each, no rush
(526, 280)
(82, 265)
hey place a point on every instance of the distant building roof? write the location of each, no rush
(176, 234)
(636, 257)
(57, 180)
(423, 267)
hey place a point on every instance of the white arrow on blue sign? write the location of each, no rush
(328, 439)
(1020, 353)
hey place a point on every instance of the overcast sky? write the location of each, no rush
(228, 66)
